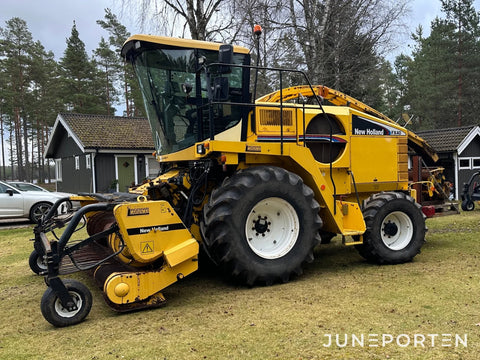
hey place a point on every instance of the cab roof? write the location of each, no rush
(177, 42)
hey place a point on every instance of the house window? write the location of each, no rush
(58, 169)
(153, 167)
(77, 162)
(464, 163)
(476, 163)
(88, 160)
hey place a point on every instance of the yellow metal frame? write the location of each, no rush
(150, 228)
(151, 231)
(294, 156)
(163, 250)
(340, 99)
(127, 287)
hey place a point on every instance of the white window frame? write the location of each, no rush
(147, 168)
(58, 169)
(473, 163)
(88, 161)
(77, 162)
(460, 167)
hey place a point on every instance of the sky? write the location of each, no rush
(51, 21)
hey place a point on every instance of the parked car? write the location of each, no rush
(25, 186)
(25, 200)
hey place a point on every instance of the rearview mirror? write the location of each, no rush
(225, 56)
(187, 88)
(220, 89)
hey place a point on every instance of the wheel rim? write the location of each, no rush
(272, 228)
(41, 211)
(61, 311)
(397, 230)
(41, 263)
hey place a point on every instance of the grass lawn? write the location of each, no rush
(418, 310)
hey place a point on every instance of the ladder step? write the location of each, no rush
(348, 232)
(352, 240)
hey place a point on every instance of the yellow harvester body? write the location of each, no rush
(256, 184)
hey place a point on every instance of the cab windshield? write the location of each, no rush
(174, 88)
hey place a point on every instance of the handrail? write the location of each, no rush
(281, 100)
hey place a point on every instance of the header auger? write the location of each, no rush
(256, 185)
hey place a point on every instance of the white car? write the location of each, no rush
(25, 186)
(19, 201)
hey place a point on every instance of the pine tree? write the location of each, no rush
(402, 107)
(431, 80)
(16, 42)
(444, 76)
(3, 128)
(464, 21)
(107, 61)
(78, 73)
(121, 71)
(45, 102)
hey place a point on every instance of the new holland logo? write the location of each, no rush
(138, 211)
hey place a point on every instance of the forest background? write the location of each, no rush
(343, 44)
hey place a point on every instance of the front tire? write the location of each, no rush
(468, 205)
(56, 314)
(261, 225)
(395, 228)
(36, 262)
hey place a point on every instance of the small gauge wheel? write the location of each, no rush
(56, 314)
(37, 262)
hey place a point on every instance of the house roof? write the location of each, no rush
(102, 132)
(450, 139)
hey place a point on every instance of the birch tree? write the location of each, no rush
(341, 41)
(202, 19)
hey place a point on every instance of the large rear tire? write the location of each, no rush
(261, 225)
(395, 228)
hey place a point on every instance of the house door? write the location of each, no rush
(126, 172)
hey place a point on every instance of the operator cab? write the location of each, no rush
(189, 97)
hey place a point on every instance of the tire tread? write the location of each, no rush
(372, 249)
(219, 215)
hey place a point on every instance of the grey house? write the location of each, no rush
(99, 153)
(459, 152)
